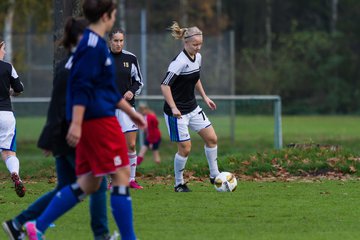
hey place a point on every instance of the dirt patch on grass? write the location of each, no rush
(190, 176)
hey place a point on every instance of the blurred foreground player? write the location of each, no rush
(92, 98)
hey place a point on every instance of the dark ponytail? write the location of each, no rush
(74, 27)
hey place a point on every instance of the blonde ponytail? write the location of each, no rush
(183, 33)
(176, 31)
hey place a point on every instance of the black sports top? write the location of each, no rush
(127, 74)
(8, 79)
(182, 75)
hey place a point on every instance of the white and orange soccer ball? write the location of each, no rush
(225, 182)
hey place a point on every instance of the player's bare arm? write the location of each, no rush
(166, 91)
(202, 93)
(74, 133)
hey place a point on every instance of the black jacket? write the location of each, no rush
(54, 132)
(8, 79)
(127, 73)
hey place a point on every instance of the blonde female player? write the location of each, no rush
(181, 110)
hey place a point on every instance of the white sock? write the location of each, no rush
(132, 159)
(12, 164)
(179, 167)
(211, 155)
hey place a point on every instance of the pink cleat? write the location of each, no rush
(32, 232)
(19, 186)
(134, 184)
(139, 160)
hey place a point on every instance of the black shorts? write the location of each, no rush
(155, 145)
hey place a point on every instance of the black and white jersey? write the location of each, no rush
(8, 79)
(128, 75)
(182, 75)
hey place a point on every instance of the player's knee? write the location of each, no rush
(121, 177)
(7, 153)
(184, 150)
(88, 185)
(91, 189)
(131, 147)
(187, 150)
(211, 141)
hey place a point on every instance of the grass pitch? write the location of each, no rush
(307, 209)
(256, 210)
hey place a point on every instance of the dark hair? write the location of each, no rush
(114, 31)
(74, 27)
(94, 9)
(1, 42)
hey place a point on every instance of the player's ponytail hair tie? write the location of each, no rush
(183, 33)
(195, 34)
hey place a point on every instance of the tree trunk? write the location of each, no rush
(268, 31)
(8, 27)
(334, 15)
(219, 39)
(63, 10)
(121, 15)
(183, 10)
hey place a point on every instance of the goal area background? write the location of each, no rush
(237, 119)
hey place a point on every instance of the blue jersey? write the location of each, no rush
(92, 79)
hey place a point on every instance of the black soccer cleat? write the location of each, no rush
(11, 232)
(182, 188)
(212, 180)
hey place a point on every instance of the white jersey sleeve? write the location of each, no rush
(174, 70)
(13, 72)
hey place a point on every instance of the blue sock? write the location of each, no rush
(122, 211)
(63, 201)
(98, 211)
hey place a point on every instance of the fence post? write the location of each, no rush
(277, 128)
(233, 87)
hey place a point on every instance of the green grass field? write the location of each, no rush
(301, 209)
(256, 210)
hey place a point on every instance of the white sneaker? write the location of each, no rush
(115, 236)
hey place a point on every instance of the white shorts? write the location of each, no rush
(127, 125)
(7, 131)
(178, 129)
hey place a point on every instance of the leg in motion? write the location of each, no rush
(141, 155)
(121, 203)
(209, 136)
(179, 165)
(130, 141)
(98, 212)
(13, 165)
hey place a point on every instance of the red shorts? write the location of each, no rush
(102, 147)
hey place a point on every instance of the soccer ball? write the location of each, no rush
(225, 182)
